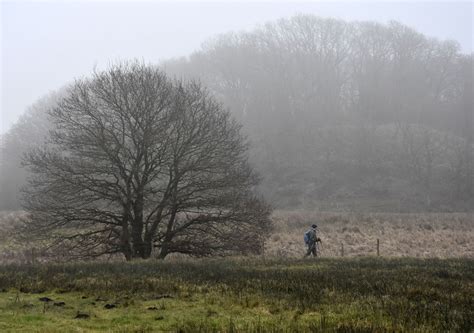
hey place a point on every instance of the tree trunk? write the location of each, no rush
(164, 249)
(125, 245)
(125, 242)
(147, 247)
(138, 244)
(137, 229)
(163, 252)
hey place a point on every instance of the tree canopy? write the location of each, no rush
(137, 161)
(348, 112)
(341, 115)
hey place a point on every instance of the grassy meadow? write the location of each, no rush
(423, 281)
(240, 295)
(420, 235)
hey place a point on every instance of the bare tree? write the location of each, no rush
(422, 148)
(137, 161)
(294, 81)
(323, 101)
(468, 119)
(27, 133)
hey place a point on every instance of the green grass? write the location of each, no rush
(242, 295)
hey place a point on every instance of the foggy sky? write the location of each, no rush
(44, 45)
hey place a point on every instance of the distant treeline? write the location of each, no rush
(336, 112)
(340, 111)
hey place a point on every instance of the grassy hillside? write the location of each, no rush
(241, 295)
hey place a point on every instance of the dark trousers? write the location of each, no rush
(312, 250)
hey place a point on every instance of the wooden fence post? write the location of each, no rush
(342, 250)
(378, 247)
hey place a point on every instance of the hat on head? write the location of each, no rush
(314, 226)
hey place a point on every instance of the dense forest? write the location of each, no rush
(339, 115)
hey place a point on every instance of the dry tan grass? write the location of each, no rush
(415, 235)
(12, 249)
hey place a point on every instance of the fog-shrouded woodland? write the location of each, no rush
(338, 115)
(306, 175)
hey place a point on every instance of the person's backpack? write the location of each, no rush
(307, 237)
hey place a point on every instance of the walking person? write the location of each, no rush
(311, 239)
